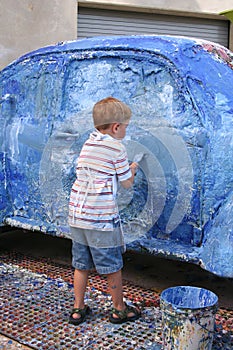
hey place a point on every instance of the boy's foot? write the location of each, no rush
(80, 315)
(129, 314)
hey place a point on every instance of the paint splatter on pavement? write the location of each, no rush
(36, 297)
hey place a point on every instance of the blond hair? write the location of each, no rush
(110, 110)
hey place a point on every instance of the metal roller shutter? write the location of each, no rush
(98, 22)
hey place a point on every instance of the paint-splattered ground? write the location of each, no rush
(36, 296)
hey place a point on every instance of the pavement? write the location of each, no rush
(147, 271)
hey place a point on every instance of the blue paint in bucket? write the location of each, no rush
(188, 316)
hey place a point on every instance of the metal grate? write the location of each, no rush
(36, 297)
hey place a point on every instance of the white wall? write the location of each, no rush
(26, 25)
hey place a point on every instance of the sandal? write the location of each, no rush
(82, 312)
(122, 315)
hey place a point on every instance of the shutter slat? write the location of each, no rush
(96, 22)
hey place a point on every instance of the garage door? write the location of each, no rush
(97, 22)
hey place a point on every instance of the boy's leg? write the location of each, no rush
(80, 284)
(116, 291)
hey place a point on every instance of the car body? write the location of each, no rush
(180, 93)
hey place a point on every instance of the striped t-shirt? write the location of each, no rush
(102, 161)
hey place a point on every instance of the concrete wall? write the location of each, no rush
(231, 33)
(26, 25)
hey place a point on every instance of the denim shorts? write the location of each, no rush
(88, 257)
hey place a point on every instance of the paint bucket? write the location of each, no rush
(188, 317)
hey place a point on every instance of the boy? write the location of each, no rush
(93, 214)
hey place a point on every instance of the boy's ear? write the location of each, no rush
(115, 127)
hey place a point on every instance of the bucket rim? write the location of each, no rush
(181, 307)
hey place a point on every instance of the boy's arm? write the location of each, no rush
(129, 182)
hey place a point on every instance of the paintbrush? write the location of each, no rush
(138, 157)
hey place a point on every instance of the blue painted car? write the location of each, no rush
(180, 93)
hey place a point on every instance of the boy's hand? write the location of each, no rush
(134, 167)
(128, 183)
